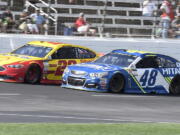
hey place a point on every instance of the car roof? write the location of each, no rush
(53, 44)
(45, 43)
(133, 52)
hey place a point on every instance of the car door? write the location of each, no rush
(65, 56)
(146, 74)
(153, 74)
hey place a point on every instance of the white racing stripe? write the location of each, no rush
(84, 118)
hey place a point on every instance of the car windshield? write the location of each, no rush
(32, 50)
(123, 60)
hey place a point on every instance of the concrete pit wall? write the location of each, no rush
(170, 47)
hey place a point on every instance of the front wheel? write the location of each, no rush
(175, 86)
(33, 74)
(117, 83)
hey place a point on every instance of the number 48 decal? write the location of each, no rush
(149, 78)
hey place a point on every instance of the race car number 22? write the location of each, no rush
(149, 78)
(62, 65)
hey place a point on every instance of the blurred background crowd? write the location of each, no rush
(110, 18)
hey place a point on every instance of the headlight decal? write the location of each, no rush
(17, 66)
(78, 72)
(98, 75)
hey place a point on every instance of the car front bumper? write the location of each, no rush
(12, 76)
(86, 84)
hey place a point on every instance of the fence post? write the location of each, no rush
(103, 19)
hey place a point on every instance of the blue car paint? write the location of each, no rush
(131, 83)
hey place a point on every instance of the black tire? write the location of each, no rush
(117, 83)
(174, 87)
(33, 74)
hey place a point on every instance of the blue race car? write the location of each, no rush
(127, 71)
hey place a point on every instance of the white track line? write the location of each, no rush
(120, 96)
(9, 94)
(84, 118)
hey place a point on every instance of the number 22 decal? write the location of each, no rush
(149, 78)
(62, 65)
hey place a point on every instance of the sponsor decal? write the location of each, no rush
(46, 65)
(178, 64)
(54, 43)
(170, 71)
(103, 83)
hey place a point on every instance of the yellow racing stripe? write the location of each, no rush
(138, 83)
(166, 80)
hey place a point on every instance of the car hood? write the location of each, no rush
(94, 67)
(11, 58)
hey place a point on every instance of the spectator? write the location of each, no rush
(31, 26)
(24, 16)
(165, 24)
(167, 6)
(7, 20)
(176, 26)
(178, 9)
(0, 22)
(39, 20)
(82, 26)
(72, 1)
(149, 7)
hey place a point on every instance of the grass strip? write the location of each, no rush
(89, 129)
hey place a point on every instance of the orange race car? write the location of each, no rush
(41, 61)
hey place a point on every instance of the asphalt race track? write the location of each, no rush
(51, 103)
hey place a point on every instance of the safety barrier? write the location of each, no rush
(163, 46)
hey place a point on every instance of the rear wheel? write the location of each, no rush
(175, 85)
(33, 74)
(117, 83)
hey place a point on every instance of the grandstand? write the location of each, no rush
(115, 18)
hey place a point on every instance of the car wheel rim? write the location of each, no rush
(32, 75)
(116, 84)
